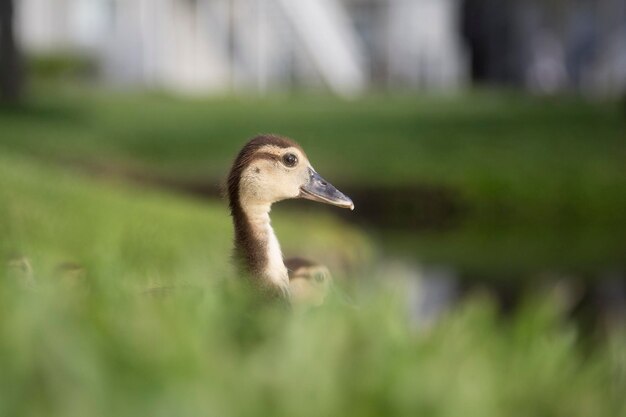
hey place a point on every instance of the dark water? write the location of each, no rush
(456, 252)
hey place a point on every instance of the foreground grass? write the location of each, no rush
(99, 345)
(68, 354)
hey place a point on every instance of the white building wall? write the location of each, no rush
(424, 48)
(216, 46)
(164, 43)
(45, 25)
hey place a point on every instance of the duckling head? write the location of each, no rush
(309, 282)
(271, 168)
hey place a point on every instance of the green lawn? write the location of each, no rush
(99, 346)
(520, 169)
(504, 155)
(89, 341)
(49, 215)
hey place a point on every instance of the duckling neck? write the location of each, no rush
(257, 247)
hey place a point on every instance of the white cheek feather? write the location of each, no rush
(252, 184)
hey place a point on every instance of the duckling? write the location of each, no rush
(69, 275)
(19, 268)
(309, 282)
(268, 169)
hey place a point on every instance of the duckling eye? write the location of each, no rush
(290, 160)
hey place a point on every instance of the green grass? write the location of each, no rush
(103, 347)
(53, 217)
(96, 344)
(504, 154)
(66, 354)
(537, 169)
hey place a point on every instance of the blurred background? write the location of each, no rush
(344, 47)
(483, 143)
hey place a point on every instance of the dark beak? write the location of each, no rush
(318, 189)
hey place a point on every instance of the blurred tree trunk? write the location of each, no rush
(491, 31)
(10, 65)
